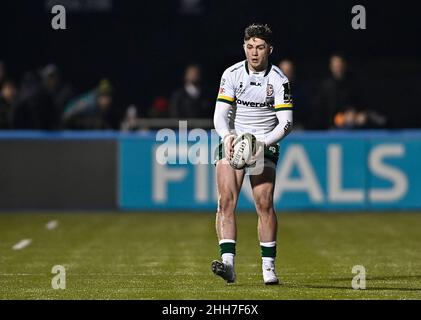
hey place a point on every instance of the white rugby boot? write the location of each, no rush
(269, 275)
(225, 271)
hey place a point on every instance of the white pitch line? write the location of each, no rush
(22, 244)
(51, 224)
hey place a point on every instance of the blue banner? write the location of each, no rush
(316, 171)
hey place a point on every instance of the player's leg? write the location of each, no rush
(263, 186)
(228, 181)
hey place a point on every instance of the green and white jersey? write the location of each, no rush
(254, 98)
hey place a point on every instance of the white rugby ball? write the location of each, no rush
(244, 149)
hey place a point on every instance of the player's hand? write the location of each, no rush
(228, 145)
(260, 148)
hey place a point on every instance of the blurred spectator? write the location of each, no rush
(192, 100)
(34, 108)
(8, 94)
(351, 118)
(299, 94)
(130, 121)
(59, 92)
(160, 108)
(92, 110)
(336, 92)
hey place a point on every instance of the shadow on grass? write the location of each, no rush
(368, 288)
(381, 278)
(261, 287)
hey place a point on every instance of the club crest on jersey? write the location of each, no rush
(269, 90)
(240, 90)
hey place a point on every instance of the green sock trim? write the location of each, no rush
(227, 247)
(269, 252)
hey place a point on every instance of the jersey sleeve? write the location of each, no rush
(226, 89)
(283, 97)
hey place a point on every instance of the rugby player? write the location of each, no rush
(254, 97)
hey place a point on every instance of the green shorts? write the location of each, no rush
(271, 153)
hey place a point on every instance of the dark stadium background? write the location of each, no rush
(124, 226)
(143, 46)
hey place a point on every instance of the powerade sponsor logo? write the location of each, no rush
(253, 104)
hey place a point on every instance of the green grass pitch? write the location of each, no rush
(167, 256)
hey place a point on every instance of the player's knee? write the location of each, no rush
(264, 204)
(226, 203)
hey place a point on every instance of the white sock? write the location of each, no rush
(268, 262)
(228, 258)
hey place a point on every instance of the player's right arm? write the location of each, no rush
(226, 97)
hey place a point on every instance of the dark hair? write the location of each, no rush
(257, 30)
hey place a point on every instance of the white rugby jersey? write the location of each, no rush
(254, 98)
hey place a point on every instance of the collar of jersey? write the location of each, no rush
(267, 69)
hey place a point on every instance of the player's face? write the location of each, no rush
(257, 53)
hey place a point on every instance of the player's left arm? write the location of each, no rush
(283, 128)
(283, 108)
